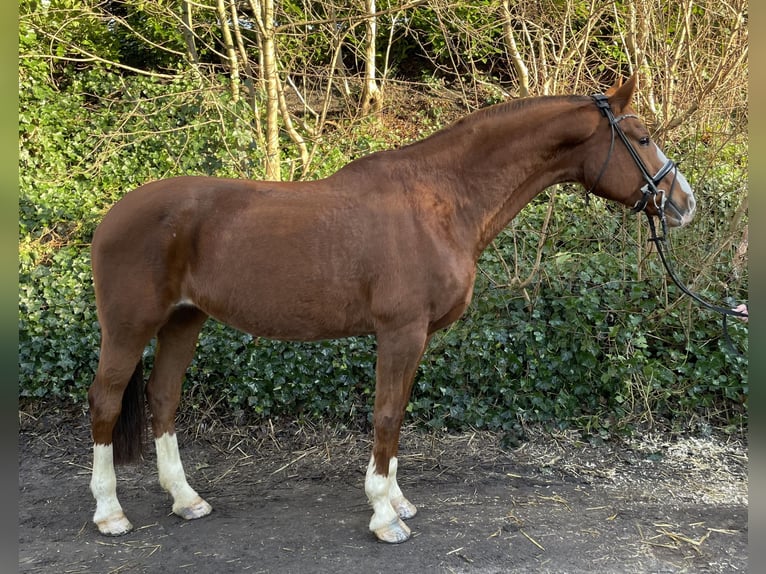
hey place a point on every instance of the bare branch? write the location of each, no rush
(516, 59)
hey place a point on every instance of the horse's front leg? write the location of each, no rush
(399, 353)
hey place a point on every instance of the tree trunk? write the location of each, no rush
(371, 96)
(188, 34)
(231, 54)
(238, 37)
(638, 36)
(513, 50)
(263, 10)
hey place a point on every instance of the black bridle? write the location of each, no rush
(650, 192)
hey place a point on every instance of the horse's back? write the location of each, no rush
(192, 209)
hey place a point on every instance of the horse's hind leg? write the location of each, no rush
(176, 342)
(118, 368)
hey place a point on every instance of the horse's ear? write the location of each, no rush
(620, 95)
(615, 87)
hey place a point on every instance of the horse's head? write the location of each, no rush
(625, 165)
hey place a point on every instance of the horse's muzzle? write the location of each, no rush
(676, 216)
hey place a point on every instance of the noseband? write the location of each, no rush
(649, 191)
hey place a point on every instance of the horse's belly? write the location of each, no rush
(292, 325)
(288, 312)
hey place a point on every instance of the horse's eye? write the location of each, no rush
(644, 141)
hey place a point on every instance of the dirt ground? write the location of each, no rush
(291, 499)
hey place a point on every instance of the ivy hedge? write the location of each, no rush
(596, 340)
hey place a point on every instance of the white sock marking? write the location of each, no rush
(171, 471)
(103, 483)
(378, 489)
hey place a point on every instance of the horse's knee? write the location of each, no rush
(387, 425)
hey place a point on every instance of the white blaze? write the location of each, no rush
(683, 185)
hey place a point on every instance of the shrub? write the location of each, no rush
(596, 340)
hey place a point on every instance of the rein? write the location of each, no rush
(662, 245)
(650, 191)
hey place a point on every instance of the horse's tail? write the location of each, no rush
(129, 434)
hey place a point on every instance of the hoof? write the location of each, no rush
(198, 509)
(393, 533)
(404, 508)
(114, 525)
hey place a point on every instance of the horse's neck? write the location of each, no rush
(490, 222)
(493, 173)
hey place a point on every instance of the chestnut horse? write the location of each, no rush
(388, 246)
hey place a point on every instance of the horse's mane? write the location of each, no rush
(518, 105)
(501, 109)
